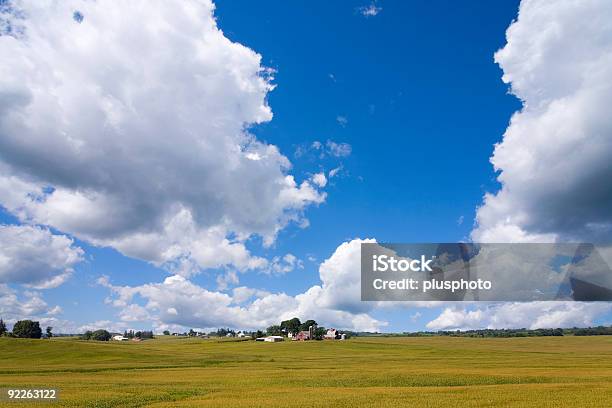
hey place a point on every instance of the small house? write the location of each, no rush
(119, 337)
(332, 334)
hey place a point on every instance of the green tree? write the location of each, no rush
(49, 334)
(320, 333)
(223, 332)
(101, 335)
(146, 334)
(86, 335)
(27, 329)
(2, 327)
(166, 333)
(274, 330)
(304, 326)
(291, 325)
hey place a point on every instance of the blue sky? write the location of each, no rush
(422, 114)
(411, 95)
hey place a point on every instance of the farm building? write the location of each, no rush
(332, 334)
(305, 335)
(119, 337)
(270, 339)
(274, 339)
(302, 336)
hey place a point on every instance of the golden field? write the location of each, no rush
(374, 372)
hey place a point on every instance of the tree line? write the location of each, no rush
(294, 326)
(105, 335)
(26, 329)
(285, 327)
(575, 331)
(32, 330)
(29, 329)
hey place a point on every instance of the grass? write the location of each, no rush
(374, 372)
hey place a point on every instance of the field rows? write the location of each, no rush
(377, 372)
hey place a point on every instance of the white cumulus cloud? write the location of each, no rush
(25, 305)
(178, 302)
(128, 127)
(531, 315)
(554, 158)
(35, 257)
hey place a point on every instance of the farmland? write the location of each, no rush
(375, 371)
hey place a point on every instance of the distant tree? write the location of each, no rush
(191, 333)
(223, 332)
(274, 330)
(100, 335)
(86, 335)
(320, 333)
(2, 327)
(304, 326)
(27, 329)
(166, 333)
(49, 334)
(291, 325)
(257, 334)
(593, 331)
(144, 334)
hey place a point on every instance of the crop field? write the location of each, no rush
(374, 372)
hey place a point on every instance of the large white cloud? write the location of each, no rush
(126, 124)
(34, 256)
(554, 159)
(341, 279)
(178, 302)
(532, 315)
(26, 305)
(29, 304)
